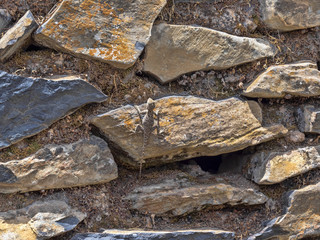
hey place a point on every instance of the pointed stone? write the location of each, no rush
(189, 127)
(174, 50)
(296, 79)
(30, 105)
(17, 37)
(301, 219)
(114, 32)
(156, 235)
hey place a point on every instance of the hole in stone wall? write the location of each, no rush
(318, 64)
(209, 164)
(34, 48)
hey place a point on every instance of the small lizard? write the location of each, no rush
(146, 125)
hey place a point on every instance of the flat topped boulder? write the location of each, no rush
(174, 50)
(30, 105)
(113, 31)
(289, 15)
(300, 79)
(189, 127)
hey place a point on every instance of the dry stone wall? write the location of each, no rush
(117, 116)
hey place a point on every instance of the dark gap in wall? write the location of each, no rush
(209, 164)
(318, 64)
(35, 48)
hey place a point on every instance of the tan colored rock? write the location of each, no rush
(114, 32)
(174, 50)
(275, 167)
(181, 196)
(82, 163)
(288, 15)
(41, 220)
(189, 127)
(301, 219)
(17, 37)
(297, 79)
(308, 119)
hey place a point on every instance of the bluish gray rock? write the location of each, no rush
(5, 19)
(30, 105)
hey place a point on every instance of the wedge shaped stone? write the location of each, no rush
(85, 162)
(301, 219)
(41, 220)
(181, 196)
(288, 15)
(308, 119)
(114, 32)
(17, 37)
(174, 50)
(155, 235)
(275, 167)
(189, 127)
(297, 79)
(30, 105)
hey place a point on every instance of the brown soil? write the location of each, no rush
(104, 203)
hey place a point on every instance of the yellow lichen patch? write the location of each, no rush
(16, 231)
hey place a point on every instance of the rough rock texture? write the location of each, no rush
(82, 163)
(157, 235)
(275, 167)
(17, 37)
(189, 127)
(5, 20)
(181, 196)
(114, 32)
(296, 79)
(29, 105)
(174, 50)
(308, 119)
(288, 15)
(41, 220)
(301, 220)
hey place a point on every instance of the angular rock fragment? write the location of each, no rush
(41, 220)
(155, 235)
(288, 15)
(308, 119)
(5, 20)
(189, 127)
(275, 167)
(301, 220)
(28, 105)
(17, 37)
(82, 163)
(174, 50)
(181, 196)
(297, 79)
(114, 32)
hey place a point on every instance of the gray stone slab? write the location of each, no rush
(5, 20)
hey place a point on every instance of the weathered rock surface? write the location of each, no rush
(189, 127)
(41, 220)
(17, 37)
(5, 20)
(296, 79)
(174, 50)
(146, 235)
(308, 119)
(301, 220)
(275, 167)
(82, 163)
(288, 15)
(28, 105)
(114, 32)
(181, 196)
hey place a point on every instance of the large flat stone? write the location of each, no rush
(174, 50)
(189, 126)
(85, 162)
(5, 20)
(308, 119)
(17, 37)
(30, 105)
(182, 196)
(156, 235)
(114, 32)
(275, 167)
(41, 220)
(301, 219)
(297, 79)
(288, 15)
